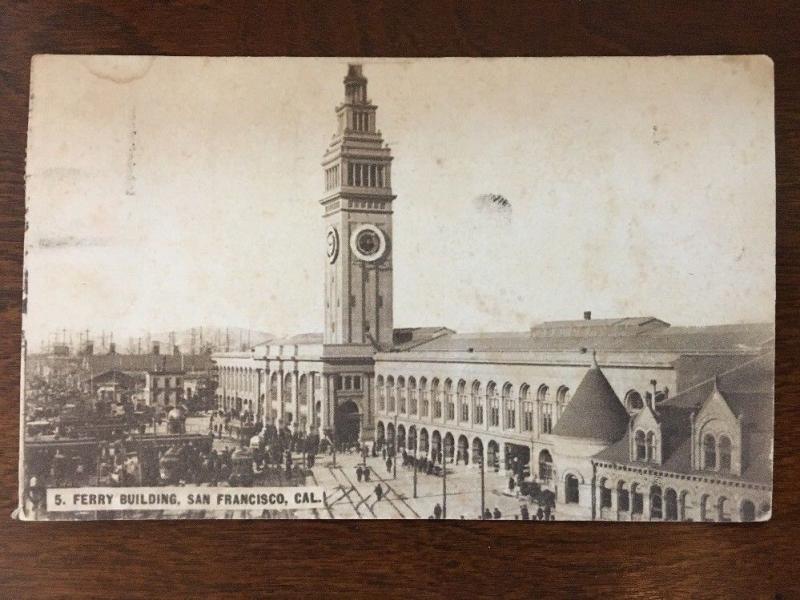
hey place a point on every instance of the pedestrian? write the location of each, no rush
(389, 464)
(383, 452)
(526, 515)
(497, 514)
(487, 515)
(540, 514)
(378, 492)
(437, 511)
(511, 484)
(359, 473)
(366, 473)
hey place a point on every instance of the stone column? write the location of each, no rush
(296, 399)
(281, 403)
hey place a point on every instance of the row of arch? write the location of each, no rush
(666, 504)
(472, 402)
(239, 378)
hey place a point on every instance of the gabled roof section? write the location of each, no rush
(594, 412)
(612, 327)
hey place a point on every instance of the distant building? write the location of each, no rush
(163, 388)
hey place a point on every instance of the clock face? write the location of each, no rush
(333, 244)
(368, 243)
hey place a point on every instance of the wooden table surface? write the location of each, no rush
(409, 559)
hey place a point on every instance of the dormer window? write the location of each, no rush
(651, 446)
(724, 454)
(641, 447)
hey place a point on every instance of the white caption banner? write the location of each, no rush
(183, 498)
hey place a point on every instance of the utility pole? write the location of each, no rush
(483, 487)
(415, 468)
(394, 458)
(444, 480)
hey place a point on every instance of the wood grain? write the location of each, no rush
(409, 559)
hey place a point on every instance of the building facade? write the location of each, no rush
(496, 398)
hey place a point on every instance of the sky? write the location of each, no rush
(173, 192)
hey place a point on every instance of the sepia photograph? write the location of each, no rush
(534, 289)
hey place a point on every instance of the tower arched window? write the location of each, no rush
(724, 454)
(412, 396)
(640, 446)
(633, 400)
(709, 452)
(671, 505)
(546, 407)
(449, 401)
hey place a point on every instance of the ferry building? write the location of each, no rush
(566, 400)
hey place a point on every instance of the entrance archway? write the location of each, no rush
(477, 450)
(401, 437)
(348, 424)
(381, 435)
(412, 438)
(423, 441)
(572, 490)
(463, 450)
(449, 446)
(436, 446)
(491, 455)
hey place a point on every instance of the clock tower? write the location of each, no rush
(357, 215)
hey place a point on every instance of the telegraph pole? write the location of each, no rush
(394, 458)
(483, 487)
(444, 481)
(415, 468)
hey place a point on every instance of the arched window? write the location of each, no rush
(381, 393)
(725, 454)
(526, 406)
(449, 401)
(509, 408)
(623, 498)
(436, 399)
(390, 398)
(722, 508)
(302, 390)
(633, 400)
(463, 410)
(651, 446)
(704, 513)
(477, 403)
(671, 505)
(684, 507)
(273, 387)
(571, 490)
(542, 397)
(656, 507)
(401, 394)
(748, 512)
(562, 395)
(494, 404)
(637, 500)
(641, 447)
(423, 397)
(709, 452)
(412, 396)
(605, 494)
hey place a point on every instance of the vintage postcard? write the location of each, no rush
(534, 289)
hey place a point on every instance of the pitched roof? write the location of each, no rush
(748, 391)
(723, 339)
(594, 412)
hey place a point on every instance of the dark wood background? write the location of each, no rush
(409, 559)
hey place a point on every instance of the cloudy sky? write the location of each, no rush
(166, 193)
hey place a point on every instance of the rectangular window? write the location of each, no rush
(380, 175)
(358, 175)
(338, 382)
(348, 382)
(547, 418)
(373, 175)
(356, 382)
(479, 414)
(350, 174)
(464, 411)
(527, 419)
